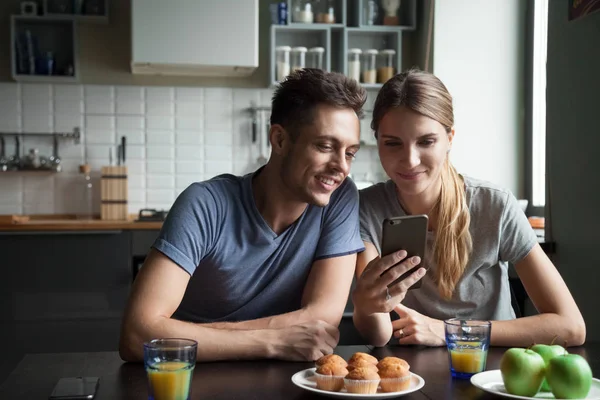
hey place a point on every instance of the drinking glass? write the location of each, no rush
(169, 366)
(468, 341)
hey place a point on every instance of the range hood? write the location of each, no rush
(194, 38)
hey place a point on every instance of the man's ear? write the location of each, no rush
(279, 139)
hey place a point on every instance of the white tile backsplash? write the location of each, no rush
(175, 136)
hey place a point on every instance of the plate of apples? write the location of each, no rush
(541, 372)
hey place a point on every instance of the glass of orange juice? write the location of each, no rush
(468, 341)
(169, 366)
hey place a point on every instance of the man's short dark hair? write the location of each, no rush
(295, 100)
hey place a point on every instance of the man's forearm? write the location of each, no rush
(213, 344)
(277, 321)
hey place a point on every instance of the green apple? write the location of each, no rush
(522, 371)
(569, 376)
(548, 352)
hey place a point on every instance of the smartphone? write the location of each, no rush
(75, 388)
(407, 233)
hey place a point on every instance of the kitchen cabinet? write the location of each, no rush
(194, 38)
(64, 291)
(350, 30)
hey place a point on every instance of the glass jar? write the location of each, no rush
(369, 70)
(298, 56)
(370, 12)
(282, 67)
(386, 65)
(354, 64)
(325, 11)
(86, 192)
(303, 11)
(315, 57)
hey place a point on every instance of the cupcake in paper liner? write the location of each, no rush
(331, 358)
(358, 356)
(362, 380)
(361, 363)
(330, 376)
(392, 360)
(395, 377)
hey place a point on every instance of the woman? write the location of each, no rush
(475, 230)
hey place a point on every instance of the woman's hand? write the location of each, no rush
(372, 294)
(415, 328)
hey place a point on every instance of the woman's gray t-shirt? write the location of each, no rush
(501, 234)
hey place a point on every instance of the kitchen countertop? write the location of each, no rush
(71, 223)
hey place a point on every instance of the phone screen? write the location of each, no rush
(407, 233)
(75, 388)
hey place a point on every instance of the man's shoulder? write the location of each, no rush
(346, 191)
(221, 184)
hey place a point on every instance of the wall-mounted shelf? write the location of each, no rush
(75, 135)
(85, 11)
(350, 30)
(44, 47)
(34, 162)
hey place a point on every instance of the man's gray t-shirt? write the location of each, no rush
(241, 269)
(501, 234)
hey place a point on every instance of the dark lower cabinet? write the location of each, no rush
(62, 291)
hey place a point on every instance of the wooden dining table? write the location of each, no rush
(36, 374)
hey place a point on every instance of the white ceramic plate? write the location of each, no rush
(306, 380)
(491, 381)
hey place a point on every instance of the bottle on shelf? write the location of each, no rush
(370, 12)
(87, 193)
(303, 12)
(354, 64)
(325, 10)
(386, 66)
(283, 62)
(315, 57)
(298, 56)
(369, 71)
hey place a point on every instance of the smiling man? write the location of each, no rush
(260, 266)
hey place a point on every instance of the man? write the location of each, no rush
(260, 266)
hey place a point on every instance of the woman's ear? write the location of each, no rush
(450, 138)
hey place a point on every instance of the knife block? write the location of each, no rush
(114, 196)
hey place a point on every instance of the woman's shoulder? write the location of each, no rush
(479, 188)
(376, 191)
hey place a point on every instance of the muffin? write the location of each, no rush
(392, 360)
(362, 363)
(331, 358)
(395, 376)
(330, 376)
(362, 380)
(362, 356)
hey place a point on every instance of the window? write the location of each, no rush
(538, 107)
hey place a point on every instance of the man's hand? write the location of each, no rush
(307, 341)
(415, 328)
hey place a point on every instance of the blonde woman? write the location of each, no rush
(475, 229)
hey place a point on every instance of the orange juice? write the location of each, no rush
(468, 360)
(170, 380)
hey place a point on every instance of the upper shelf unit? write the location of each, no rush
(77, 10)
(359, 38)
(44, 46)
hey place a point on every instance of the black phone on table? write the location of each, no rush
(75, 388)
(409, 233)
